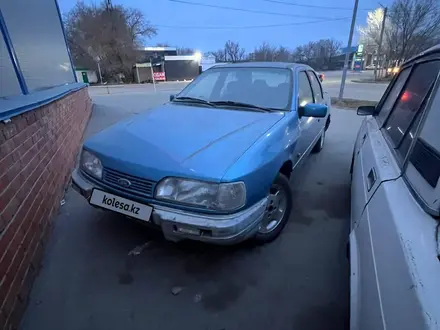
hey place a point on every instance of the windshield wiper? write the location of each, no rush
(243, 105)
(194, 100)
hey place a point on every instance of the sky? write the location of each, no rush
(181, 24)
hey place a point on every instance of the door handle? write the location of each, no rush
(371, 178)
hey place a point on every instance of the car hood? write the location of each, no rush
(179, 140)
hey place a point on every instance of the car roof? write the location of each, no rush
(430, 51)
(282, 65)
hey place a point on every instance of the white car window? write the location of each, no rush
(423, 170)
(393, 95)
(410, 100)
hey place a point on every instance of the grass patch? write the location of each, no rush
(350, 103)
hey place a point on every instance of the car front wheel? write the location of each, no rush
(277, 211)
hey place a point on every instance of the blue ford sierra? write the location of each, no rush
(214, 163)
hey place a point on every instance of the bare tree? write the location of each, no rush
(220, 55)
(231, 52)
(412, 26)
(283, 54)
(265, 53)
(106, 33)
(138, 26)
(318, 54)
(234, 52)
(185, 51)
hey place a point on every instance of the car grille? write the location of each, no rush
(138, 185)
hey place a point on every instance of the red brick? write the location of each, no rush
(3, 223)
(18, 310)
(20, 138)
(6, 148)
(2, 140)
(11, 209)
(13, 171)
(2, 319)
(9, 130)
(13, 282)
(32, 129)
(8, 254)
(35, 165)
(30, 117)
(20, 123)
(28, 279)
(39, 252)
(6, 163)
(29, 155)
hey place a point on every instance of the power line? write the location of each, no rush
(311, 6)
(254, 11)
(246, 26)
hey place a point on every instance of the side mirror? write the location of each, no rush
(321, 77)
(172, 96)
(366, 110)
(313, 110)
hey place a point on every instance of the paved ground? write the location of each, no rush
(361, 91)
(103, 271)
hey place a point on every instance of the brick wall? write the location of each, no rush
(37, 154)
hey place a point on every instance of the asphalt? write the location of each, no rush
(104, 271)
(354, 90)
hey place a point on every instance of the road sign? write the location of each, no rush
(159, 76)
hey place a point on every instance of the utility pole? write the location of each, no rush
(379, 48)
(152, 74)
(347, 56)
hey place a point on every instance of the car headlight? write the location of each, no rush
(91, 164)
(214, 196)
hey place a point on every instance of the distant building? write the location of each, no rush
(207, 61)
(86, 76)
(148, 53)
(167, 68)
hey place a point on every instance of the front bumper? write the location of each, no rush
(178, 224)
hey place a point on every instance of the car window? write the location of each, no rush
(426, 154)
(316, 87)
(410, 100)
(423, 168)
(204, 86)
(265, 87)
(305, 94)
(393, 95)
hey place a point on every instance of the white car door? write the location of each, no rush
(375, 245)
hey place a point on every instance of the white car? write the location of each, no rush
(395, 225)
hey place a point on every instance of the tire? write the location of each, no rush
(271, 228)
(320, 144)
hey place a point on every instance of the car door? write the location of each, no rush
(318, 123)
(307, 134)
(381, 278)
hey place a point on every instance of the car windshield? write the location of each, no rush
(262, 87)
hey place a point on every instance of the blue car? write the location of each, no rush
(214, 163)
